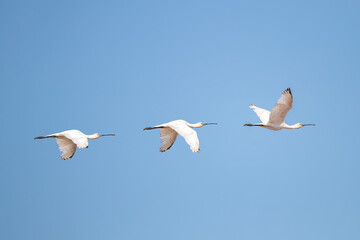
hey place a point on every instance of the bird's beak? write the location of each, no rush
(108, 134)
(310, 124)
(210, 124)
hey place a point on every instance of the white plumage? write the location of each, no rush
(69, 140)
(169, 131)
(275, 120)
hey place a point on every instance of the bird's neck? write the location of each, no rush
(295, 126)
(195, 125)
(93, 136)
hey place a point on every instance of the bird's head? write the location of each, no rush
(201, 124)
(94, 136)
(102, 135)
(300, 125)
(97, 135)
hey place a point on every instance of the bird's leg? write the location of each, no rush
(254, 125)
(150, 128)
(41, 137)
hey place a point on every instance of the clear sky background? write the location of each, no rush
(120, 66)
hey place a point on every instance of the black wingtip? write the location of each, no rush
(288, 90)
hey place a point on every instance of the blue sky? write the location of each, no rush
(120, 66)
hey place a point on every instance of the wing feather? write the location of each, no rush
(167, 137)
(263, 114)
(77, 137)
(67, 147)
(188, 134)
(282, 107)
(193, 140)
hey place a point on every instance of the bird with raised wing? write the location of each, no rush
(69, 140)
(169, 131)
(275, 120)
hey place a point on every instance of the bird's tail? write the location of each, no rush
(150, 128)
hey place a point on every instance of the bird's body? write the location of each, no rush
(169, 132)
(69, 140)
(275, 120)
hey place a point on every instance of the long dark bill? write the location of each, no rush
(309, 124)
(111, 134)
(210, 124)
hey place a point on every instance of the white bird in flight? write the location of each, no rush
(275, 120)
(69, 140)
(169, 131)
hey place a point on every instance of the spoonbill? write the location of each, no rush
(169, 131)
(69, 140)
(275, 120)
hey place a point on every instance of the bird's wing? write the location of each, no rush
(66, 146)
(167, 137)
(263, 114)
(189, 135)
(77, 137)
(282, 107)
